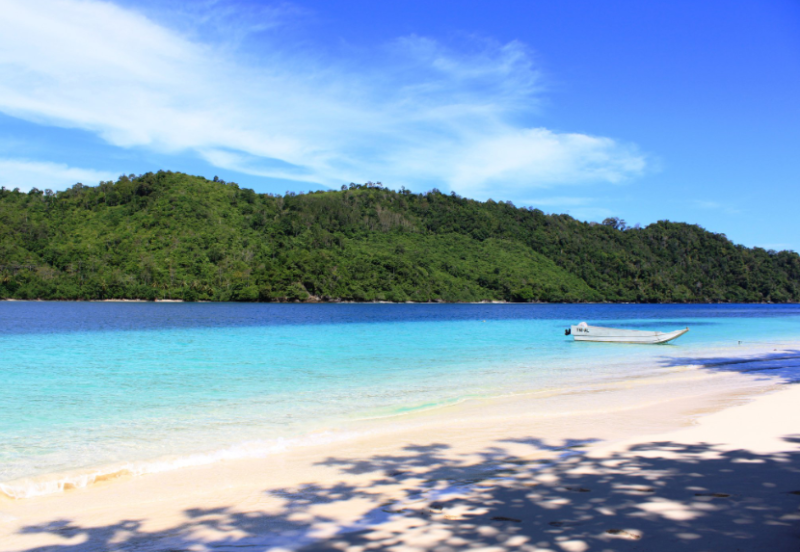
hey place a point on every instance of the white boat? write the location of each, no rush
(585, 332)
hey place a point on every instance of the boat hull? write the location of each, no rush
(611, 335)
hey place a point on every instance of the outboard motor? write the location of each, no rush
(568, 331)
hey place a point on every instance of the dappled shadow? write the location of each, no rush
(540, 444)
(782, 365)
(653, 496)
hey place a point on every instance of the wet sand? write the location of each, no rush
(697, 460)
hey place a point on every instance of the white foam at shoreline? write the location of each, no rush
(58, 483)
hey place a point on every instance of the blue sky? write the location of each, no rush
(677, 110)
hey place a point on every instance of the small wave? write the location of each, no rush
(52, 484)
(58, 483)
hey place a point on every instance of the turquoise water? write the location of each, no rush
(87, 385)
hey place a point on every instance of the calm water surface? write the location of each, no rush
(91, 384)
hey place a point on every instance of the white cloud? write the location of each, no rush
(420, 116)
(24, 174)
(581, 208)
(596, 214)
(558, 201)
(540, 157)
(717, 206)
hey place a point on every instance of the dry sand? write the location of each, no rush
(713, 469)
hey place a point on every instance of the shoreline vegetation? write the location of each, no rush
(172, 236)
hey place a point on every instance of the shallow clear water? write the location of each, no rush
(92, 384)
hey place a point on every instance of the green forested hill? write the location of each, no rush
(170, 235)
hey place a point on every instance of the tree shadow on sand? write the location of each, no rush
(655, 496)
(783, 364)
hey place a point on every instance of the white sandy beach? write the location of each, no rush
(708, 462)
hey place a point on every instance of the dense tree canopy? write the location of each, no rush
(170, 235)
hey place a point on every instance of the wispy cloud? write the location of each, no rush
(716, 206)
(581, 208)
(559, 201)
(596, 214)
(23, 174)
(421, 115)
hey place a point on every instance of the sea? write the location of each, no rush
(94, 388)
